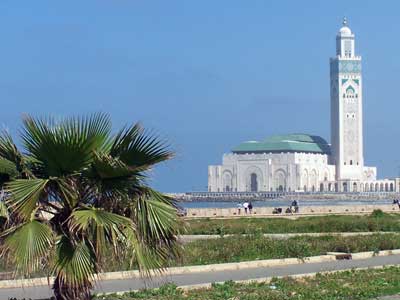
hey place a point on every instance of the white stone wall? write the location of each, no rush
(270, 172)
(289, 172)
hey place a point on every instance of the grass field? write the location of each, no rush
(350, 285)
(246, 248)
(377, 221)
(256, 247)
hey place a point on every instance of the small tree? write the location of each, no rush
(78, 194)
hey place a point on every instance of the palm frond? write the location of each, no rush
(10, 152)
(146, 256)
(138, 149)
(157, 228)
(8, 168)
(66, 147)
(4, 213)
(100, 226)
(113, 180)
(155, 217)
(24, 195)
(66, 192)
(28, 246)
(107, 167)
(3, 209)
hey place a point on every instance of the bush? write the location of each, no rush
(378, 213)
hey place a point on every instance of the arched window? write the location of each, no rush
(321, 187)
(391, 187)
(227, 182)
(354, 187)
(253, 182)
(345, 187)
(351, 162)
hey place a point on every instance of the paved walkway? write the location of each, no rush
(42, 292)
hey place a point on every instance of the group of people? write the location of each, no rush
(293, 208)
(247, 206)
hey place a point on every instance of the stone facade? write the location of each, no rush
(340, 169)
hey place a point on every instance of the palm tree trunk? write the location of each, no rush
(63, 291)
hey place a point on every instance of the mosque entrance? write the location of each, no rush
(253, 182)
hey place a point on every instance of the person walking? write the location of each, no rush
(295, 206)
(250, 207)
(239, 207)
(246, 206)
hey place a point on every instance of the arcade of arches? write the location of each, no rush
(284, 179)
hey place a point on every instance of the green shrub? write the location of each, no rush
(378, 213)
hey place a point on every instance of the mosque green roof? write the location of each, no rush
(286, 143)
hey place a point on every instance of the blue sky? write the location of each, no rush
(206, 75)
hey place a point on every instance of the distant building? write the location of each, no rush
(302, 162)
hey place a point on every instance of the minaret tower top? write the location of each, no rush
(345, 41)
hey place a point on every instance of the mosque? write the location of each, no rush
(303, 162)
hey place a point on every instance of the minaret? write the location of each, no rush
(346, 108)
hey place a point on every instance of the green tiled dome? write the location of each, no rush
(286, 143)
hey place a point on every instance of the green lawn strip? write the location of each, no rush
(239, 248)
(257, 247)
(347, 285)
(245, 248)
(369, 223)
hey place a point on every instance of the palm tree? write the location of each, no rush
(77, 194)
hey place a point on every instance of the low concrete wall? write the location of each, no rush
(304, 210)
